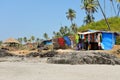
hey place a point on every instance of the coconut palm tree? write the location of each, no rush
(46, 36)
(67, 30)
(29, 40)
(103, 15)
(118, 6)
(0, 43)
(104, 6)
(62, 31)
(54, 32)
(25, 39)
(32, 38)
(20, 40)
(58, 34)
(90, 7)
(71, 14)
(74, 28)
(38, 40)
(112, 3)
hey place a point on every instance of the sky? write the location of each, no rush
(24, 18)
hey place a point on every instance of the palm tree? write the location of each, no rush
(104, 5)
(46, 36)
(32, 38)
(54, 32)
(113, 6)
(67, 31)
(90, 7)
(104, 15)
(62, 31)
(20, 40)
(74, 28)
(25, 39)
(118, 6)
(58, 34)
(38, 40)
(29, 40)
(1, 43)
(71, 14)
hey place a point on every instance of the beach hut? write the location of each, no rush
(47, 42)
(45, 45)
(11, 44)
(11, 41)
(94, 40)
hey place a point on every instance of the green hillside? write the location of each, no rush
(101, 25)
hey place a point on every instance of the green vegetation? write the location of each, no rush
(45, 35)
(90, 7)
(71, 14)
(101, 25)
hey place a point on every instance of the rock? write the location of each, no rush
(85, 58)
(48, 54)
(33, 54)
(4, 53)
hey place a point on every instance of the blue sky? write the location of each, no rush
(20, 18)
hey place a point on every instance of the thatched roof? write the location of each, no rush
(11, 40)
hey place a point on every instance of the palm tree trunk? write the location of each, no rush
(118, 9)
(71, 22)
(113, 6)
(104, 6)
(118, 12)
(104, 15)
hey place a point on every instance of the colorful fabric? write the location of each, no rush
(89, 38)
(67, 40)
(77, 38)
(61, 42)
(82, 37)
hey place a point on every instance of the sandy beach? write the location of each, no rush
(44, 71)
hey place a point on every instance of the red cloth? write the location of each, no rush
(61, 42)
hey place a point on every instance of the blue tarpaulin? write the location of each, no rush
(108, 40)
(48, 42)
(67, 40)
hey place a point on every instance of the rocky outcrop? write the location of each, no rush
(46, 54)
(4, 53)
(85, 57)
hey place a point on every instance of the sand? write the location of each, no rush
(44, 71)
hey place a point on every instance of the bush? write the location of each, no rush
(118, 40)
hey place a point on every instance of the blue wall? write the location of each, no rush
(108, 40)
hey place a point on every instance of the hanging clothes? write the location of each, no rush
(86, 38)
(95, 37)
(99, 39)
(61, 42)
(82, 36)
(89, 37)
(77, 38)
(92, 37)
